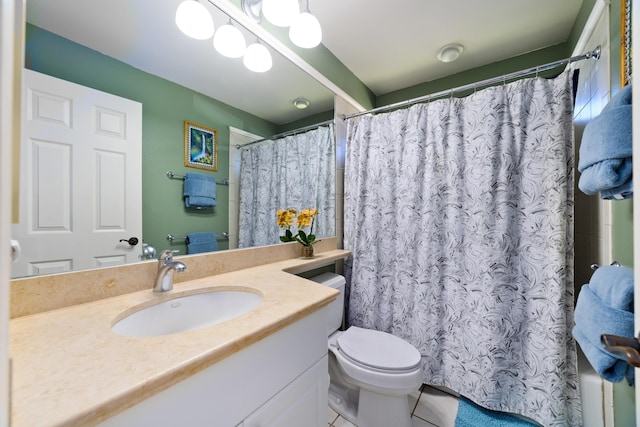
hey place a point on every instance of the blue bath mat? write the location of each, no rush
(472, 415)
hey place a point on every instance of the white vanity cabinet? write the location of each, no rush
(282, 380)
(301, 403)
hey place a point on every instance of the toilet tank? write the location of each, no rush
(336, 308)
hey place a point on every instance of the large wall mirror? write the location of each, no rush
(134, 50)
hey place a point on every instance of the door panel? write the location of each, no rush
(80, 186)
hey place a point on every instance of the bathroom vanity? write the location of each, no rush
(279, 381)
(265, 367)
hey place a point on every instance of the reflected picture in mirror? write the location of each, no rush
(200, 147)
(95, 48)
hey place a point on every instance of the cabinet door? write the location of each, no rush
(301, 403)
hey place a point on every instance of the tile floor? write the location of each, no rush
(431, 407)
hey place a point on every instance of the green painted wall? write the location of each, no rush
(581, 20)
(165, 107)
(307, 121)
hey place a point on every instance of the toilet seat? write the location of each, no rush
(378, 350)
(377, 360)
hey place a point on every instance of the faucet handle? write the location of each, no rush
(167, 255)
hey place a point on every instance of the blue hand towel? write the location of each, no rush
(472, 415)
(201, 242)
(199, 191)
(605, 306)
(606, 150)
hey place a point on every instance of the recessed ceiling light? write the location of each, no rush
(450, 52)
(301, 103)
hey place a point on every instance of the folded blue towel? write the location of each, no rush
(472, 415)
(605, 306)
(201, 242)
(606, 150)
(199, 191)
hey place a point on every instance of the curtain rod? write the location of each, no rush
(595, 54)
(288, 133)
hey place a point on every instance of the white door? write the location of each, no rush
(80, 184)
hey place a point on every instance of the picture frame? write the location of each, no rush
(625, 42)
(200, 146)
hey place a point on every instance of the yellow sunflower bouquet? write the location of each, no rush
(305, 219)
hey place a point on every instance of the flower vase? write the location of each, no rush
(306, 251)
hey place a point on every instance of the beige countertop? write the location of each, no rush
(70, 369)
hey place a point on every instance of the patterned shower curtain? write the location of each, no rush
(459, 214)
(296, 171)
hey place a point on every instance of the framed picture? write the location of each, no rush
(625, 42)
(200, 147)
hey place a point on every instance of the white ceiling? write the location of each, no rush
(392, 45)
(388, 45)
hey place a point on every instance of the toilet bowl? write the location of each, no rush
(371, 372)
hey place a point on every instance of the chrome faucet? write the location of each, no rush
(166, 266)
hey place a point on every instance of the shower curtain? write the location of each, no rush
(459, 216)
(296, 171)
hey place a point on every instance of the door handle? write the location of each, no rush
(623, 346)
(131, 240)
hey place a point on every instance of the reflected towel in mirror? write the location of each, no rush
(199, 191)
(201, 242)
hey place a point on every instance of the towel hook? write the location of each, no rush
(623, 346)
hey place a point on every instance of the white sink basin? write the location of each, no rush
(187, 313)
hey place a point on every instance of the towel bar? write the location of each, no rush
(594, 267)
(173, 175)
(223, 236)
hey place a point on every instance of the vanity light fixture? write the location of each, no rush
(193, 19)
(305, 30)
(257, 58)
(253, 9)
(301, 103)
(229, 41)
(450, 52)
(280, 13)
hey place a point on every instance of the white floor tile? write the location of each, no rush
(419, 422)
(437, 407)
(413, 399)
(341, 422)
(332, 415)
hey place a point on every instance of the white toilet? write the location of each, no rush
(371, 373)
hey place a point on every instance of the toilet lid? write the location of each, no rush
(378, 349)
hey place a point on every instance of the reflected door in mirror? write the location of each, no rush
(80, 191)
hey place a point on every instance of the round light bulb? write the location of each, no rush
(229, 41)
(305, 31)
(194, 20)
(257, 58)
(280, 12)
